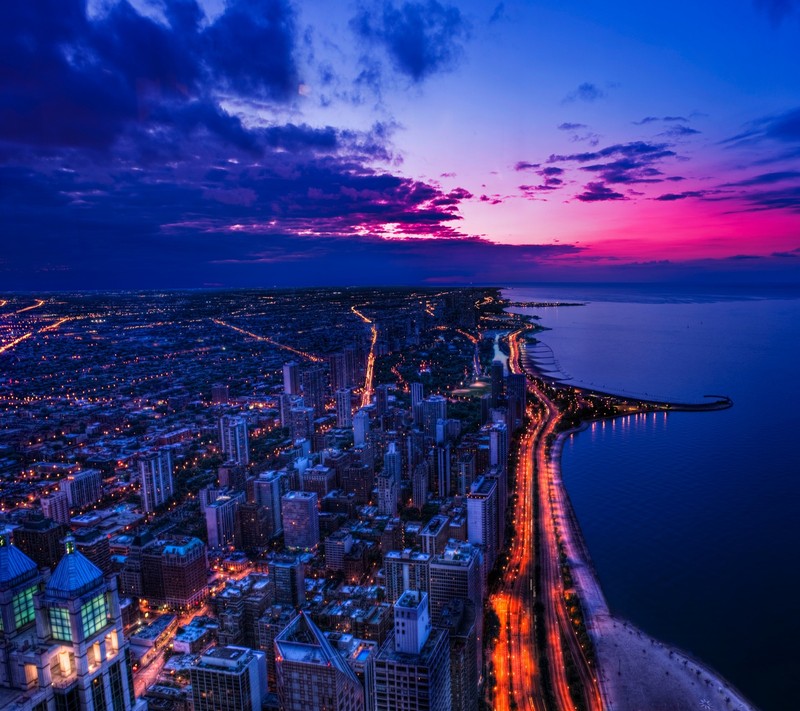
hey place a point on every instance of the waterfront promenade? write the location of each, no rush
(550, 591)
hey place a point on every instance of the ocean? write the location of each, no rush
(690, 518)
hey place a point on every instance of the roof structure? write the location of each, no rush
(15, 566)
(302, 641)
(74, 575)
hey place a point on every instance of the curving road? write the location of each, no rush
(518, 671)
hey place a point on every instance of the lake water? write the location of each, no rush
(691, 518)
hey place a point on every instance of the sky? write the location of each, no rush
(213, 143)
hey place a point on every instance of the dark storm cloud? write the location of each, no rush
(587, 92)
(169, 172)
(421, 38)
(597, 192)
(68, 80)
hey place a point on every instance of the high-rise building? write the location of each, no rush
(344, 408)
(497, 376)
(434, 534)
(516, 390)
(455, 573)
(83, 656)
(291, 378)
(442, 463)
(56, 506)
(360, 427)
(229, 679)
(268, 489)
(389, 481)
(420, 482)
(301, 423)
(460, 619)
(337, 369)
(313, 381)
(434, 408)
(337, 546)
(311, 674)
(412, 669)
(406, 570)
(220, 394)
(287, 578)
(82, 488)
(466, 472)
(41, 539)
(221, 519)
(174, 572)
(233, 436)
(300, 520)
(274, 620)
(482, 515)
(416, 402)
(498, 445)
(381, 399)
(93, 543)
(155, 475)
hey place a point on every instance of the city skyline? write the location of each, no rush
(264, 142)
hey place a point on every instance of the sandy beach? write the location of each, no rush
(636, 672)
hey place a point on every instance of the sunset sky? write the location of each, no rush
(191, 143)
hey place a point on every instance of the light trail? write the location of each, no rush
(11, 344)
(366, 395)
(51, 327)
(39, 303)
(302, 354)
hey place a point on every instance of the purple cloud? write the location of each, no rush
(597, 192)
(587, 92)
(421, 38)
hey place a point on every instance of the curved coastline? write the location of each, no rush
(635, 671)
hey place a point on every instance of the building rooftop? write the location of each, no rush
(74, 574)
(15, 566)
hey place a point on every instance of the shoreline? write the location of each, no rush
(648, 662)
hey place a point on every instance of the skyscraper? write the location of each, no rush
(311, 673)
(360, 427)
(344, 408)
(497, 376)
(233, 438)
(313, 381)
(412, 669)
(482, 516)
(416, 402)
(56, 506)
(221, 520)
(455, 573)
(406, 570)
(229, 679)
(516, 388)
(80, 615)
(220, 394)
(434, 408)
(268, 489)
(155, 475)
(291, 378)
(300, 520)
(82, 488)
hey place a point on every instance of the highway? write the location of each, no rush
(366, 393)
(283, 346)
(517, 667)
